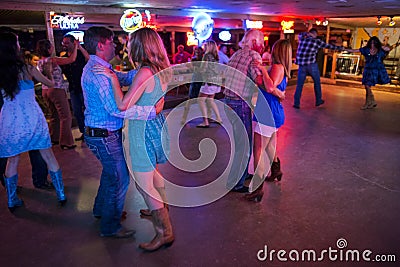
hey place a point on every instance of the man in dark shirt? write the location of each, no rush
(73, 72)
(306, 59)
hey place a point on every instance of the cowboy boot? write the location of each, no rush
(372, 103)
(162, 226)
(276, 172)
(161, 191)
(257, 194)
(365, 106)
(56, 178)
(11, 188)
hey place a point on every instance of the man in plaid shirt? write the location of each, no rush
(306, 59)
(241, 78)
(103, 134)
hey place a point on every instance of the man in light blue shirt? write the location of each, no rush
(223, 58)
(103, 134)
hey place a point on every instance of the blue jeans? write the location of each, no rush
(313, 71)
(77, 108)
(241, 156)
(114, 181)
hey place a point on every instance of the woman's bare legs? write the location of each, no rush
(145, 185)
(186, 111)
(369, 98)
(211, 102)
(50, 159)
(12, 166)
(202, 104)
(261, 156)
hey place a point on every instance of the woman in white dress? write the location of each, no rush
(23, 126)
(208, 90)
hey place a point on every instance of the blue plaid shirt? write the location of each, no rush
(308, 49)
(101, 109)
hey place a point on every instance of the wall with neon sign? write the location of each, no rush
(133, 19)
(66, 22)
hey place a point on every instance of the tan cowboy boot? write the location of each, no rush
(162, 226)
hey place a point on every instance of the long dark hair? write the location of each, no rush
(43, 48)
(377, 42)
(11, 64)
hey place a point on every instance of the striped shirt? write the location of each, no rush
(241, 75)
(308, 49)
(55, 70)
(101, 109)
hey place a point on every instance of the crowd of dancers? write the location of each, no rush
(144, 142)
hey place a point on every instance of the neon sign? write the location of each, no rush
(287, 26)
(225, 36)
(253, 24)
(131, 20)
(66, 22)
(191, 40)
(202, 26)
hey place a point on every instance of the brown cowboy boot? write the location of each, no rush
(161, 191)
(147, 212)
(162, 226)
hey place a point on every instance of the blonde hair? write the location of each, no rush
(251, 35)
(147, 49)
(282, 54)
(211, 48)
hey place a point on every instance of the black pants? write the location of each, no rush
(39, 168)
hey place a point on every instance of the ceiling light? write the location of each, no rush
(379, 22)
(392, 22)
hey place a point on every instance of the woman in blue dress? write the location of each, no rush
(23, 126)
(146, 142)
(269, 116)
(374, 69)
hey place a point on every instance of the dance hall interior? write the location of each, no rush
(221, 187)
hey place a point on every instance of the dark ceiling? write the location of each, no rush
(228, 13)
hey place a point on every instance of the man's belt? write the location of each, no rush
(98, 132)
